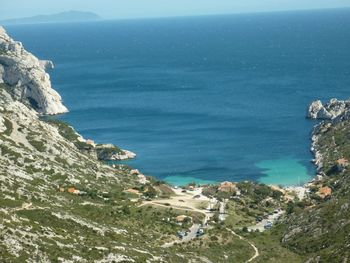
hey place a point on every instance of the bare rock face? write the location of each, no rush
(46, 64)
(318, 111)
(26, 78)
(332, 110)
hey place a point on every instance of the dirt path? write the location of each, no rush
(193, 233)
(250, 243)
(207, 215)
(271, 218)
(190, 209)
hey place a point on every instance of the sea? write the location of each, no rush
(201, 99)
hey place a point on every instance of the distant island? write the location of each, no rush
(64, 17)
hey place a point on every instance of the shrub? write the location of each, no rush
(9, 127)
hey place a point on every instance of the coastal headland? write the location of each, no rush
(60, 201)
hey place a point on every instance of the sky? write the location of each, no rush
(120, 9)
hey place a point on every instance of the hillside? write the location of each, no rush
(319, 227)
(61, 202)
(64, 17)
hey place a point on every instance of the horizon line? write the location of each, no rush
(226, 14)
(101, 19)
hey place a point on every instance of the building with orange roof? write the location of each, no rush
(325, 192)
(227, 187)
(342, 164)
(343, 161)
(71, 190)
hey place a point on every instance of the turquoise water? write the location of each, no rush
(283, 172)
(182, 180)
(204, 98)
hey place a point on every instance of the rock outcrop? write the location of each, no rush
(110, 152)
(318, 111)
(124, 155)
(332, 110)
(46, 64)
(57, 195)
(25, 77)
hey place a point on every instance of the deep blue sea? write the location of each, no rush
(201, 99)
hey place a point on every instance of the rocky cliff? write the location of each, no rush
(58, 201)
(332, 110)
(26, 78)
(319, 226)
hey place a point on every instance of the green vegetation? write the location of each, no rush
(255, 200)
(39, 145)
(218, 245)
(270, 248)
(106, 152)
(319, 227)
(2, 52)
(7, 151)
(69, 134)
(9, 127)
(57, 201)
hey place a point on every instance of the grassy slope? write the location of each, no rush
(324, 229)
(40, 221)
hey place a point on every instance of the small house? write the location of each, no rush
(90, 142)
(227, 187)
(71, 190)
(325, 192)
(341, 164)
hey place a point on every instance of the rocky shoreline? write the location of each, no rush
(55, 187)
(34, 88)
(330, 113)
(27, 80)
(333, 110)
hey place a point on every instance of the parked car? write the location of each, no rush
(268, 225)
(200, 232)
(180, 234)
(259, 219)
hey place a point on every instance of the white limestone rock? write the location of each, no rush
(124, 155)
(318, 111)
(46, 64)
(337, 107)
(26, 77)
(2, 124)
(332, 110)
(2, 71)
